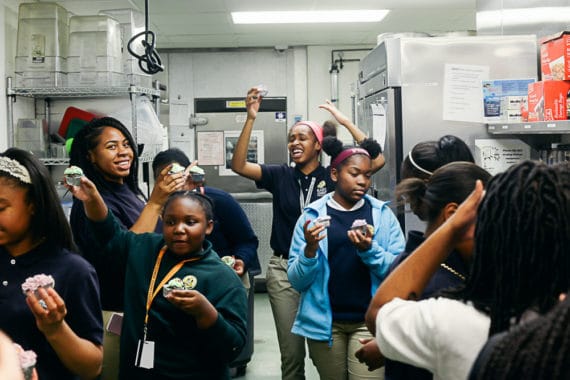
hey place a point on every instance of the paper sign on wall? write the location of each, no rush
(462, 97)
(496, 156)
(210, 148)
(379, 123)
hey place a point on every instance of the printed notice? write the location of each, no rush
(379, 123)
(462, 96)
(255, 151)
(210, 148)
(496, 156)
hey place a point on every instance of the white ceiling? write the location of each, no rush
(207, 23)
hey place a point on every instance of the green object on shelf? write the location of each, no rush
(68, 144)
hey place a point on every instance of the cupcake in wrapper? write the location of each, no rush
(362, 226)
(174, 284)
(324, 220)
(197, 174)
(73, 175)
(32, 284)
(27, 361)
(176, 168)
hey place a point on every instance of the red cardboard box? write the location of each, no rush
(547, 100)
(555, 56)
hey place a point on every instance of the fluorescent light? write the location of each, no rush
(522, 16)
(307, 17)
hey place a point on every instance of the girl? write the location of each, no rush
(187, 334)
(292, 188)
(35, 238)
(523, 216)
(337, 272)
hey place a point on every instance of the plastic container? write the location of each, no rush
(94, 51)
(32, 135)
(42, 43)
(131, 23)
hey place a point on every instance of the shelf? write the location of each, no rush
(80, 92)
(537, 127)
(54, 161)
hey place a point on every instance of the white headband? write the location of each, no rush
(418, 166)
(15, 169)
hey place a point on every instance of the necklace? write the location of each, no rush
(445, 266)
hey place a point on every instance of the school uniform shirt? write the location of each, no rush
(76, 283)
(442, 279)
(285, 184)
(310, 276)
(232, 234)
(182, 350)
(127, 207)
(441, 335)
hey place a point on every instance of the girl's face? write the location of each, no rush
(185, 226)
(352, 180)
(15, 218)
(113, 155)
(303, 146)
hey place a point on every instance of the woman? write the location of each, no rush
(292, 188)
(523, 215)
(105, 150)
(35, 238)
(337, 272)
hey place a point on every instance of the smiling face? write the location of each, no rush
(303, 145)
(15, 217)
(185, 226)
(113, 155)
(353, 178)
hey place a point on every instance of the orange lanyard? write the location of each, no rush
(152, 291)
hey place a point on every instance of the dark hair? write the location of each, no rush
(450, 183)
(430, 155)
(204, 201)
(330, 128)
(521, 258)
(49, 221)
(87, 139)
(167, 157)
(333, 147)
(538, 349)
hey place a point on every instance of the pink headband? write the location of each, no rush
(316, 128)
(347, 153)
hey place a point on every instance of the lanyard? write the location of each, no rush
(152, 292)
(304, 202)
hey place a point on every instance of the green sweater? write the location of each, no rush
(182, 351)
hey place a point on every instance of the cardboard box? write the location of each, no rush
(502, 95)
(555, 56)
(547, 100)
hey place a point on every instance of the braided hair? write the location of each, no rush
(87, 139)
(521, 258)
(538, 349)
(430, 155)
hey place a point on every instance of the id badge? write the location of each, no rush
(145, 354)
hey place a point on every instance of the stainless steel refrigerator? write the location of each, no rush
(404, 94)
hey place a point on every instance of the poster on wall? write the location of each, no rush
(255, 151)
(210, 148)
(496, 156)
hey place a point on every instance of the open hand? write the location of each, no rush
(252, 102)
(194, 303)
(339, 116)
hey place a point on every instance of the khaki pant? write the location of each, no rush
(337, 362)
(111, 348)
(284, 302)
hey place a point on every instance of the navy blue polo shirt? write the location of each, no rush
(349, 281)
(285, 183)
(76, 283)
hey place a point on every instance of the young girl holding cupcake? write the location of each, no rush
(338, 268)
(192, 332)
(35, 238)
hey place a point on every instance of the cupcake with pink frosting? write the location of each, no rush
(32, 284)
(27, 361)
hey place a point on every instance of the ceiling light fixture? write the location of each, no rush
(307, 17)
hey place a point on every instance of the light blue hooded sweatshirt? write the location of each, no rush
(310, 276)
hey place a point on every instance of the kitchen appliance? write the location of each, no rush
(407, 93)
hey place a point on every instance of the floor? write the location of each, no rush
(265, 363)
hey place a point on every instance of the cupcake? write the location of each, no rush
(174, 284)
(73, 175)
(32, 284)
(323, 220)
(229, 260)
(360, 224)
(197, 174)
(27, 361)
(176, 168)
